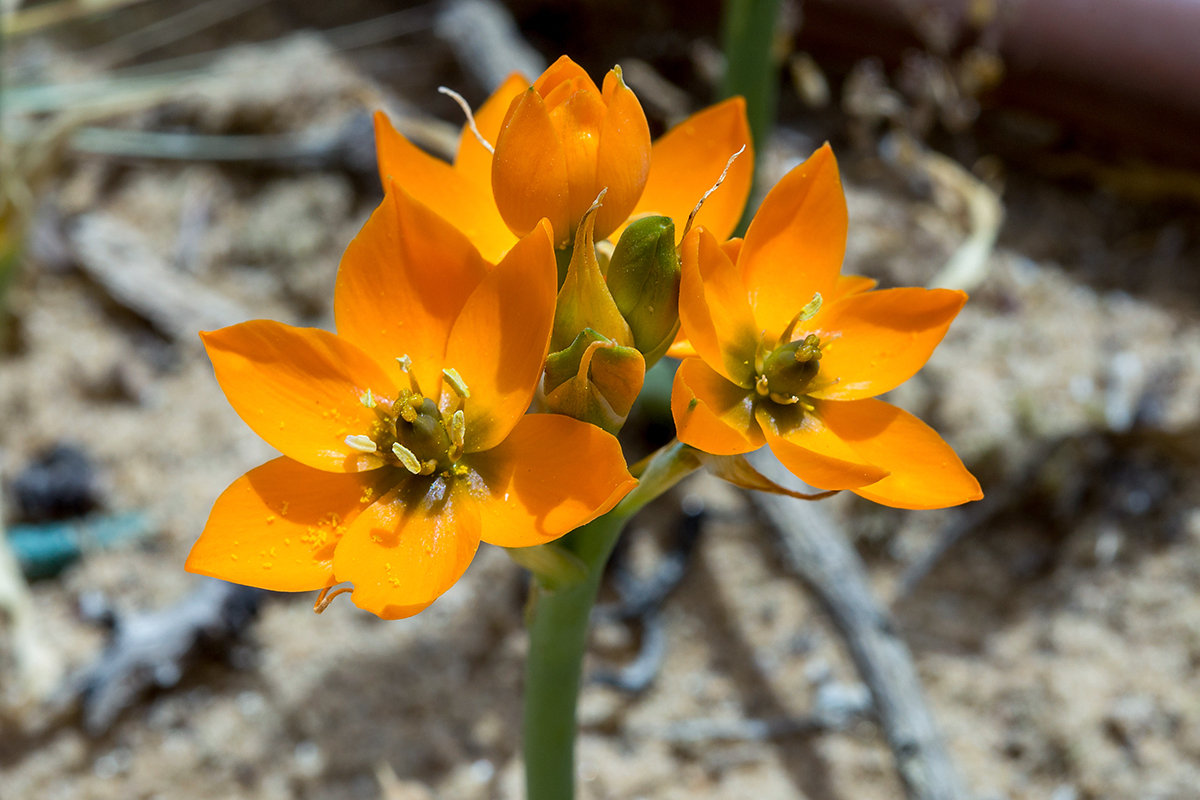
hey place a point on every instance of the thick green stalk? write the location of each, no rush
(558, 630)
(557, 639)
(751, 65)
(750, 61)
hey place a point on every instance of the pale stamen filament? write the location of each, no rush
(808, 312)
(406, 367)
(466, 109)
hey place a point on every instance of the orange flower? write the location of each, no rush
(404, 436)
(791, 354)
(564, 140)
(558, 145)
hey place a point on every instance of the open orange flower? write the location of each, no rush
(404, 436)
(558, 145)
(791, 353)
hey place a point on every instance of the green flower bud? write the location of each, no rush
(643, 278)
(583, 299)
(595, 380)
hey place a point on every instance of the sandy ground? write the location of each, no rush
(1059, 642)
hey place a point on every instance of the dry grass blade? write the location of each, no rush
(169, 30)
(34, 19)
(821, 556)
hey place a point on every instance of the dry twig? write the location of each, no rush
(487, 42)
(155, 648)
(116, 256)
(821, 556)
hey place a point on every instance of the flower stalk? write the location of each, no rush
(752, 64)
(558, 629)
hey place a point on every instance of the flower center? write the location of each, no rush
(785, 374)
(412, 432)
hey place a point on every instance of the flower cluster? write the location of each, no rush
(484, 289)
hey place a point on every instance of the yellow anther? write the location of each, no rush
(408, 458)
(367, 399)
(408, 412)
(405, 363)
(362, 444)
(458, 429)
(428, 467)
(784, 400)
(761, 386)
(456, 383)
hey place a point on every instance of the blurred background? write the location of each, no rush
(172, 166)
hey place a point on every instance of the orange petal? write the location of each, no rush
(405, 551)
(578, 120)
(562, 72)
(681, 348)
(926, 472)
(795, 245)
(299, 389)
(712, 414)
(276, 526)
(713, 311)
(623, 158)
(732, 249)
(473, 161)
(871, 343)
(445, 190)
(551, 475)
(813, 452)
(529, 170)
(686, 162)
(402, 283)
(849, 285)
(500, 340)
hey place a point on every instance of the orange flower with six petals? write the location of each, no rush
(560, 142)
(404, 436)
(791, 354)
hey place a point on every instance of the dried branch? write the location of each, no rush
(487, 42)
(156, 648)
(117, 256)
(821, 556)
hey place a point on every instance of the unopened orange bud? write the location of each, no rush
(562, 143)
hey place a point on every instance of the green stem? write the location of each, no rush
(752, 65)
(750, 61)
(558, 630)
(557, 639)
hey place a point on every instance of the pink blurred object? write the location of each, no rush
(1147, 48)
